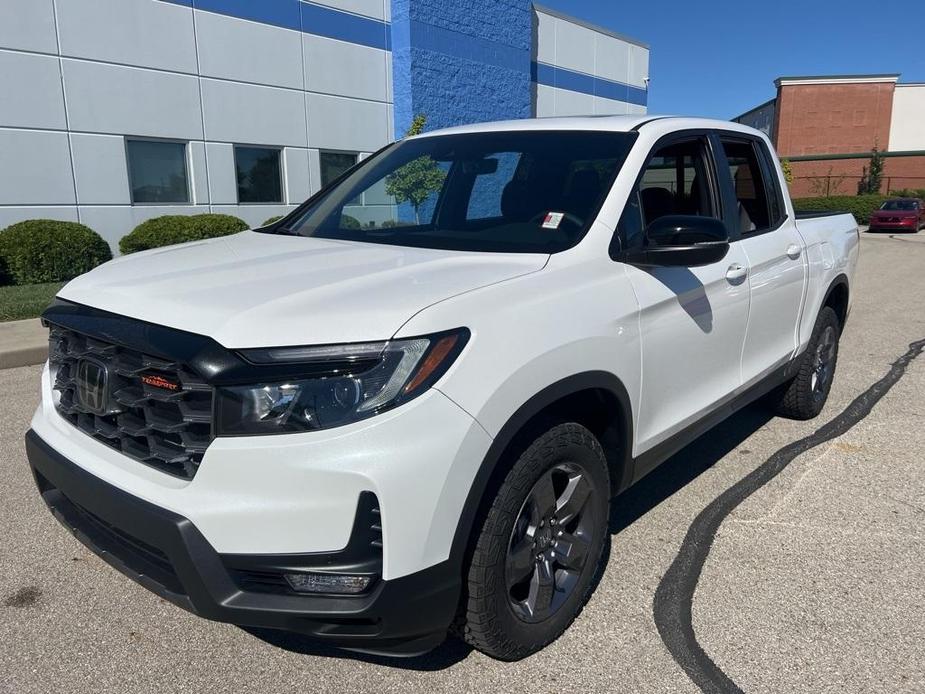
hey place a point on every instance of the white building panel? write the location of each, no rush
(377, 9)
(196, 169)
(295, 175)
(612, 58)
(907, 125)
(28, 25)
(346, 124)
(569, 103)
(261, 115)
(223, 186)
(574, 47)
(147, 33)
(346, 69)
(30, 91)
(236, 49)
(545, 48)
(545, 101)
(314, 170)
(131, 101)
(42, 174)
(100, 169)
(610, 107)
(639, 66)
(11, 215)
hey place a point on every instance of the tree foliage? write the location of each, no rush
(418, 179)
(873, 179)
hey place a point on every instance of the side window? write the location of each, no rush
(750, 186)
(676, 181)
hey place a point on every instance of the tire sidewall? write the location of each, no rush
(530, 467)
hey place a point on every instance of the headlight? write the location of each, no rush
(347, 383)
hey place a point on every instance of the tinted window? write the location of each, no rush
(749, 185)
(674, 182)
(259, 174)
(334, 164)
(897, 205)
(157, 171)
(522, 191)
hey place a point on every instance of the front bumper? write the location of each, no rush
(905, 225)
(167, 554)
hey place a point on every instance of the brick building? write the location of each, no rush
(827, 126)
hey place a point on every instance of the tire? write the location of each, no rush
(505, 575)
(806, 395)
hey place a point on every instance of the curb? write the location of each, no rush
(23, 343)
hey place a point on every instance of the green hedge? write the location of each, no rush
(909, 193)
(48, 250)
(861, 206)
(268, 222)
(174, 228)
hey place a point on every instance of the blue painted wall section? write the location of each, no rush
(306, 17)
(461, 61)
(563, 78)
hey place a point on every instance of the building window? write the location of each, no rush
(259, 175)
(333, 164)
(157, 171)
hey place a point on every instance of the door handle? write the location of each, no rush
(736, 273)
(794, 251)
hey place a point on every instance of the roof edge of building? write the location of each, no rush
(835, 79)
(589, 25)
(755, 108)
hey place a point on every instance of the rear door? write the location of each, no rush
(692, 319)
(774, 249)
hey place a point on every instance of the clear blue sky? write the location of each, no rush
(719, 59)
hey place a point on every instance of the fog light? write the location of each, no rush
(329, 583)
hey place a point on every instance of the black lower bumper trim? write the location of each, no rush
(165, 553)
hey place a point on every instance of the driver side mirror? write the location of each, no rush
(682, 241)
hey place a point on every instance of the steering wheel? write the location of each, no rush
(566, 217)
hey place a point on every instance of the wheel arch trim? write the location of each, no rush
(517, 423)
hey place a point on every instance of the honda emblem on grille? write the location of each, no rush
(93, 385)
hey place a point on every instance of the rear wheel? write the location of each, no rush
(806, 395)
(539, 550)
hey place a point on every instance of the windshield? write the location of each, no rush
(899, 205)
(521, 192)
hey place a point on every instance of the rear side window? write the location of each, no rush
(760, 207)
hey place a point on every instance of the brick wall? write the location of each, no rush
(841, 176)
(833, 118)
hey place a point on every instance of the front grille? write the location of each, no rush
(166, 429)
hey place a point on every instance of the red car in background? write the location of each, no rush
(899, 214)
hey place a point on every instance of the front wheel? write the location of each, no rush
(806, 395)
(540, 547)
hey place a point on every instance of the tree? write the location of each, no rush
(788, 170)
(872, 179)
(826, 186)
(415, 181)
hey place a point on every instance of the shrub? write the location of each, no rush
(173, 228)
(268, 222)
(348, 222)
(909, 193)
(861, 206)
(49, 250)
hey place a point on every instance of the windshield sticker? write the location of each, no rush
(553, 220)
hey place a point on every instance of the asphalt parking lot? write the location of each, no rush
(814, 581)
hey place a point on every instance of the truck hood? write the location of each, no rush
(262, 290)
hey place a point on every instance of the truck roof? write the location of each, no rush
(604, 123)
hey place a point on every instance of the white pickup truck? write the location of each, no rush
(405, 407)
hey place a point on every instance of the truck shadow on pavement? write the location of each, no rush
(668, 478)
